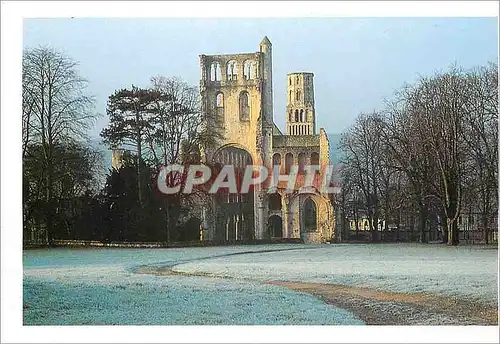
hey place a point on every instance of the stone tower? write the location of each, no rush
(267, 100)
(117, 158)
(238, 90)
(300, 113)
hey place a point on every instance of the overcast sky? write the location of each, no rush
(357, 62)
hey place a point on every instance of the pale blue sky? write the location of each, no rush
(357, 62)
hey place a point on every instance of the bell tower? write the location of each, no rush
(300, 113)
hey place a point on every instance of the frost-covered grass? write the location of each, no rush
(97, 286)
(469, 272)
(48, 258)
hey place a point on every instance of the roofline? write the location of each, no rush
(301, 73)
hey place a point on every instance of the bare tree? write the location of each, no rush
(480, 132)
(177, 135)
(363, 146)
(56, 109)
(408, 151)
(438, 105)
(434, 150)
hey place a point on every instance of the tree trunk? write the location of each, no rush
(374, 227)
(139, 153)
(444, 226)
(356, 221)
(453, 234)
(167, 222)
(49, 212)
(422, 221)
(486, 224)
(486, 216)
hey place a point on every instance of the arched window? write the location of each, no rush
(290, 81)
(310, 223)
(302, 115)
(314, 158)
(290, 116)
(219, 102)
(302, 162)
(297, 95)
(296, 115)
(290, 99)
(219, 106)
(297, 80)
(276, 159)
(212, 72)
(288, 162)
(232, 70)
(244, 106)
(275, 201)
(309, 215)
(248, 70)
(215, 72)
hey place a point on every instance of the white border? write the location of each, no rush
(271, 9)
(11, 233)
(259, 334)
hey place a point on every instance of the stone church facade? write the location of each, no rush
(238, 89)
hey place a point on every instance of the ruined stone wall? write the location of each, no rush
(324, 147)
(293, 218)
(238, 129)
(228, 79)
(116, 158)
(257, 134)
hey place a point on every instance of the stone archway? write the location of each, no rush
(234, 213)
(275, 226)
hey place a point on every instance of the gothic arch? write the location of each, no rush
(276, 159)
(234, 213)
(310, 215)
(219, 100)
(314, 158)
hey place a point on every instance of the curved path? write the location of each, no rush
(273, 284)
(374, 306)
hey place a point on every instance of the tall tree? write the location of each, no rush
(130, 112)
(177, 135)
(438, 103)
(363, 146)
(56, 110)
(409, 152)
(480, 132)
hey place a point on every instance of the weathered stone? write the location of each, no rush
(226, 82)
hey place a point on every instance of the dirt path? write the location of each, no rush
(376, 307)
